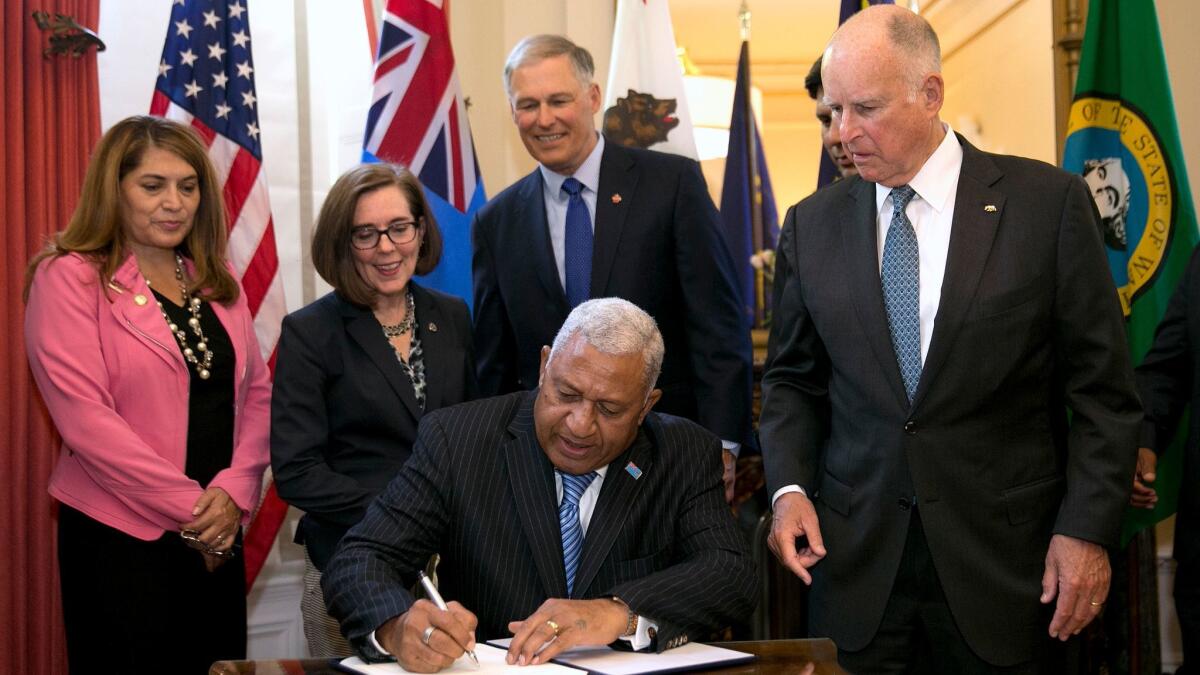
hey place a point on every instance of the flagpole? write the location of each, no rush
(754, 186)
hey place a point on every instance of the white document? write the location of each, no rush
(491, 660)
(608, 661)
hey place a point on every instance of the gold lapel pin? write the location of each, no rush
(432, 327)
(990, 208)
(616, 198)
(139, 299)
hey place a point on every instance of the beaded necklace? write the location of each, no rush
(203, 365)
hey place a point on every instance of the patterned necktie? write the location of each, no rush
(901, 277)
(578, 250)
(568, 519)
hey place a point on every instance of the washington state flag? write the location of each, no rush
(1122, 138)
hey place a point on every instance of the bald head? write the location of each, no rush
(882, 78)
(896, 33)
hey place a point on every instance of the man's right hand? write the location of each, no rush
(404, 636)
(795, 517)
(1144, 496)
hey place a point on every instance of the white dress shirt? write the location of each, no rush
(931, 212)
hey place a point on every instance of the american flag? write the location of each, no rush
(206, 79)
(418, 118)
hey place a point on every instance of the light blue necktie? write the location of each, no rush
(901, 277)
(577, 252)
(568, 519)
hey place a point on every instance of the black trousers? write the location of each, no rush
(1187, 601)
(918, 633)
(133, 606)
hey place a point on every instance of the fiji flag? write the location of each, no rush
(418, 119)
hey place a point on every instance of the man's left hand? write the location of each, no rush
(730, 474)
(562, 624)
(1078, 572)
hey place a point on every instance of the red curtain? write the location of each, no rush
(51, 120)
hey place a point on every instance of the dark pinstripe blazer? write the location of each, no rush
(479, 489)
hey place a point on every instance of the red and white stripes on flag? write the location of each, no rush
(206, 80)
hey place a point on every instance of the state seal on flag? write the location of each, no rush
(1117, 151)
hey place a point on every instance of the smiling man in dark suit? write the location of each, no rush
(571, 513)
(936, 318)
(598, 219)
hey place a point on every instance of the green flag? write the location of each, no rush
(1122, 137)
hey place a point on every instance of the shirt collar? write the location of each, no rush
(937, 179)
(588, 173)
(600, 472)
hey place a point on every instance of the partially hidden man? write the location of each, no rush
(598, 219)
(936, 319)
(571, 513)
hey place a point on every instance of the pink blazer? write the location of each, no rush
(116, 386)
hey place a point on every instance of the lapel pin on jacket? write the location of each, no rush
(633, 470)
(990, 208)
(616, 198)
(432, 327)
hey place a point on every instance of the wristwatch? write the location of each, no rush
(631, 619)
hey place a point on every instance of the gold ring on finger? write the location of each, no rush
(553, 626)
(1093, 603)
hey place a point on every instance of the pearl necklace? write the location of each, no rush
(395, 330)
(193, 306)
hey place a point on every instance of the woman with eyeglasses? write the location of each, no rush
(358, 368)
(143, 348)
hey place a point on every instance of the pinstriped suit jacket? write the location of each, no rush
(479, 489)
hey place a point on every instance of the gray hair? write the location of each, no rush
(537, 48)
(911, 34)
(615, 327)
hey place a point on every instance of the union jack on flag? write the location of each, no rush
(418, 118)
(206, 79)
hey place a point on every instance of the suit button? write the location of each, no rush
(910, 428)
(904, 503)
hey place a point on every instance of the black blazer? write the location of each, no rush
(343, 413)
(480, 490)
(1028, 325)
(1168, 380)
(658, 244)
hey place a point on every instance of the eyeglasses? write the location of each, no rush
(366, 237)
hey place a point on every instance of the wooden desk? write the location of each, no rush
(775, 657)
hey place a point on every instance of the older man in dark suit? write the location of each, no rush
(571, 513)
(936, 319)
(597, 219)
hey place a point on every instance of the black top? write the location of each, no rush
(210, 402)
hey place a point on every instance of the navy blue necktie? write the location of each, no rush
(901, 278)
(568, 520)
(577, 252)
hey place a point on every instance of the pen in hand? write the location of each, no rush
(436, 598)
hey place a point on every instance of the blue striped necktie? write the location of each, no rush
(568, 519)
(577, 251)
(901, 278)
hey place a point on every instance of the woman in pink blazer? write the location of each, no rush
(144, 351)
